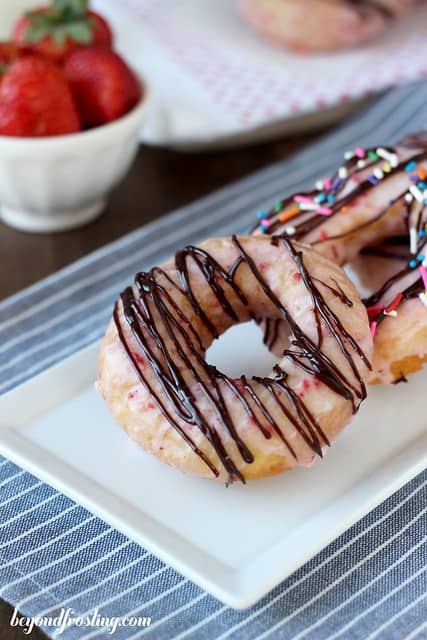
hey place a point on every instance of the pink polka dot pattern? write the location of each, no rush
(251, 91)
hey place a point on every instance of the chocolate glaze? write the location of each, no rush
(414, 216)
(408, 292)
(337, 291)
(401, 379)
(364, 5)
(271, 331)
(381, 252)
(374, 298)
(415, 140)
(161, 331)
(311, 221)
(271, 325)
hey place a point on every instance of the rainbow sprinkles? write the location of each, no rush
(314, 217)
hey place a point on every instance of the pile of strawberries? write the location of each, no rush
(60, 74)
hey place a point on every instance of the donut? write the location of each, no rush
(396, 301)
(376, 194)
(322, 25)
(154, 376)
(375, 264)
(363, 202)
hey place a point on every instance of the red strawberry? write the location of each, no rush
(104, 86)
(8, 53)
(36, 100)
(54, 32)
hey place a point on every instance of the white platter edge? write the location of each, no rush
(289, 126)
(238, 589)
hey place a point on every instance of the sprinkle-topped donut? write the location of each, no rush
(375, 194)
(155, 378)
(396, 305)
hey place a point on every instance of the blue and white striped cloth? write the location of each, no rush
(370, 583)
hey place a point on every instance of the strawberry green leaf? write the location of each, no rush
(80, 31)
(39, 25)
(59, 34)
(60, 26)
(39, 19)
(36, 32)
(70, 7)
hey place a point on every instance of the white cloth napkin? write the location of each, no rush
(211, 77)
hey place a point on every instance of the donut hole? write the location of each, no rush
(240, 351)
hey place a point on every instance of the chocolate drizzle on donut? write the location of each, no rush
(271, 331)
(271, 325)
(386, 252)
(336, 291)
(169, 344)
(303, 222)
(416, 289)
(415, 140)
(378, 6)
(320, 365)
(335, 198)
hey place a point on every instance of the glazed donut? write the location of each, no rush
(376, 194)
(322, 25)
(363, 202)
(396, 283)
(155, 379)
(375, 264)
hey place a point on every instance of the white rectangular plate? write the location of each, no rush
(236, 543)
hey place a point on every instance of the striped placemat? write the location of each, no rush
(369, 583)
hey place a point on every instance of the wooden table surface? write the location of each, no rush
(159, 181)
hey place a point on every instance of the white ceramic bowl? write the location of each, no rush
(61, 182)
